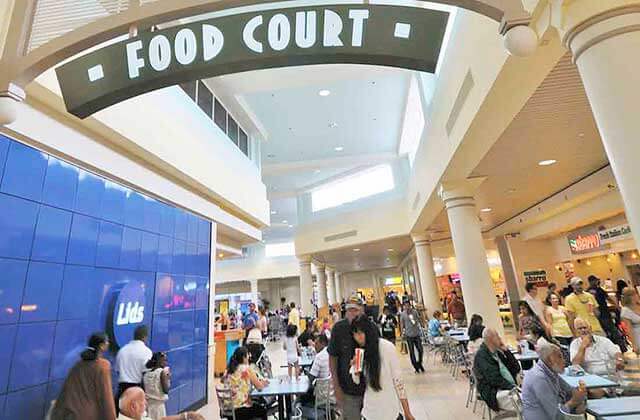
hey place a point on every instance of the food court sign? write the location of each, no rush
(397, 36)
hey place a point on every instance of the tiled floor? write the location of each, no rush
(434, 395)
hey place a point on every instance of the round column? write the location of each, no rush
(471, 257)
(417, 280)
(337, 289)
(306, 287)
(604, 37)
(321, 278)
(331, 287)
(426, 273)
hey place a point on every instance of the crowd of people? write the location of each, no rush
(144, 380)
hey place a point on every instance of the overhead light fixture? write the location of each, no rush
(285, 222)
(324, 92)
(581, 135)
(588, 262)
(221, 255)
(274, 212)
(271, 155)
(356, 249)
(338, 148)
(333, 124)
(486, 209)
(317, 171)
(290, 226)
(390, 249)
(547, 162)
(511, 190)
(634, 256)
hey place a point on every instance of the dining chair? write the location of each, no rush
(225, 402)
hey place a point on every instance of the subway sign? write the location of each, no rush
(396, 36)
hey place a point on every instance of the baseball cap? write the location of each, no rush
(354, 301)
(592, 278)
(575, 281)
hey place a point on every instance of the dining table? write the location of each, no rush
(284, 388)
(608, 408)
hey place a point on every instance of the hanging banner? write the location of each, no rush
(537, 277)
(585, 241)
(396, 36)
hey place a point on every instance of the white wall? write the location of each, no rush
(350, 282)
(273, 289)
(168, 125)
(257, 268)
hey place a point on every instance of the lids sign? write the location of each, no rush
(128, 312)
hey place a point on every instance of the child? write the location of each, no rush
(290, 344)
(157, 382)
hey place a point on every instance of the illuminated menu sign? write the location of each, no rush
(592, 239)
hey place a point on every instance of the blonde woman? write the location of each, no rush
(558, 320)
(630, 316)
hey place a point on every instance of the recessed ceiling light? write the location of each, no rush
(317, 171)
(390, 250)
(581, 135)
(547, 162)
(273, 212)
(221, 255)
(324, 92)
(356, 249)
(333, 124)
(338, 148)
(290, 226)
(486, 210)
(271, 156)
(285, 222)
(511, 190)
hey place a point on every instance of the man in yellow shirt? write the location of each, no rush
(294, 316)
(583, 305)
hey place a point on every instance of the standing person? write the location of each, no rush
(349, 395)
(263, 324)
(252, 314)
(531, 297)
(385, 397)
(307, 337)
(620, 285)
(86, 392)
(630, 316)
(456, 311)
(294, 316)
(558, 318)
(388, 325)
(132, 359)
(132, 407)
(604, 316)
(410, 326)
(580, 304)
(291, 346)
(335, 315)
(157, 382)
(240, 378)
(527, 320)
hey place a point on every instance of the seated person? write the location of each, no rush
(475, 334)
(543, 391)
(306, 338)
(388, 324)
(240, 378)
(319, 370)
(434, 327)
(496, 370)
(596, 355)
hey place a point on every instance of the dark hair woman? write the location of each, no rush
(86, 392)
(527, 320)
(240, 377)
(475, 327)
(381, 370)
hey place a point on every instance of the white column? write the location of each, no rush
(426, 273)
(321, 278)
(471, 256)
(331, 286)
(337, 288)
(604, 36)
(254, 290)
(418, 282)
(306, 286)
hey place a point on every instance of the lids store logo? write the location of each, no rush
(396, 36)
(128, 312)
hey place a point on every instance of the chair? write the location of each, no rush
(264, 365)
(324, 397)
(225, 402)
(516, 399)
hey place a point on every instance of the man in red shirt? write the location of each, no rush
(455, 309)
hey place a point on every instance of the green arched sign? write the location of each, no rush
(384, 35)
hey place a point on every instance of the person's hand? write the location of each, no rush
(339, 397)
(586, 341)
(619, 363)
(192, 415)
(578, 396)
(409, 416)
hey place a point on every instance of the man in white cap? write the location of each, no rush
(583, 305)
(349, 395)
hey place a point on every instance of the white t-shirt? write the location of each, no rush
(385, 404)
(601, 351)
(634, 319)
(131, 361)
(320, 366)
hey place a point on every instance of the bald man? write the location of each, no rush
(593, 353)
(133, 405)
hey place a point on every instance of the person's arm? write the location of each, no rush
(255, 381)
(333, 367)
(105, 392)
(628, 326)
(392, 363)
(165, 380)
(578, 358)
(187, 415)
(542, 393)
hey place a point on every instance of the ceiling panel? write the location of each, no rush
(370, 256)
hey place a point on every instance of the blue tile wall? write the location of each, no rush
(70, 241)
